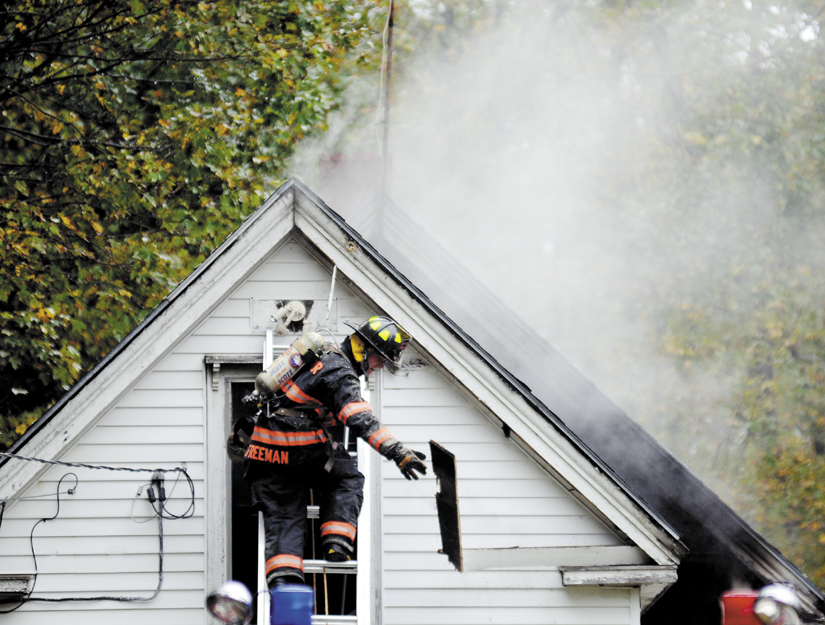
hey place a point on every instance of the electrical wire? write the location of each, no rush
(179, 470)
(80, 465)
(113, 598)
(29, 597)
(161, 512)
(32, 497)
(134, 500)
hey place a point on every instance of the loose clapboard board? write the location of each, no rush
(446, 502)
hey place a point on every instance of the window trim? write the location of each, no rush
(221, 373)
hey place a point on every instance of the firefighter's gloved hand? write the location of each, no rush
(234, 449)
(238, 440)
(409, 462)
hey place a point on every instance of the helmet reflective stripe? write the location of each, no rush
(385, 336)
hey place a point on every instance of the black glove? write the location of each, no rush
(238, 439)
(234, 449)
(409, 461)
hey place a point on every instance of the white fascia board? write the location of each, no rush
(486, 385)
(652, 581)
(618, 575)
(190, 303)
(537, 558)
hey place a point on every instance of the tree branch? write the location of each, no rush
(65, 123)
(46, 141)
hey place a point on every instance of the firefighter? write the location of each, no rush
(291, 451)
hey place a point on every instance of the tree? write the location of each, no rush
(748, 143)
(781, 410)
(742, 219)
(135, 137)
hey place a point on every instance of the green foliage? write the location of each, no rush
(738, 155)
(780, 408)
(136, 136)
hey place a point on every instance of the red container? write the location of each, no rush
(737, 608)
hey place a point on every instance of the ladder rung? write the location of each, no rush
(333, 619)
(318, 566)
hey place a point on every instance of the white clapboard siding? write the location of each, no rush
(100, 480)
(180, 362)
(153, 417)
(77, 507)
(162, 398)
(108, 529)
(161, 453)
(140, 434)
(282, 289)
(505, 614)
(105, 539)
(290, 273)
(52, 566)
(505, 499)
(506, 505)
(92, 545)
(122, 584)
(99, 614)
(538, 596)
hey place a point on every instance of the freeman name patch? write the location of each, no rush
(262, 454)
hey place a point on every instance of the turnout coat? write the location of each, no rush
(290, 451)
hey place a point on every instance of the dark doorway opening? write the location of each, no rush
(244, 515)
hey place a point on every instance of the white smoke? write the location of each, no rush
(539, 152)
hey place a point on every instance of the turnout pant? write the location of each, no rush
(281, 492)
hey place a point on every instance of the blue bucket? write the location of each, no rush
(292, 604)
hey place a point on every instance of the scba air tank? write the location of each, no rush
(303, 350)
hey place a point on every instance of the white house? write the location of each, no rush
(550, 533)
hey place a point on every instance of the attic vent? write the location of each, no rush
(290, 317)
(285, 316)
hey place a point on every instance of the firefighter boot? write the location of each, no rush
(333, 552)
(288, 579)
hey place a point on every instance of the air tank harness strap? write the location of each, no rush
(303, 412)
(294, 412)
(330, 347)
